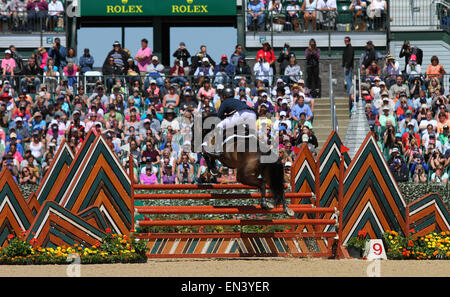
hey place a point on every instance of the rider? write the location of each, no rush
(232, 113)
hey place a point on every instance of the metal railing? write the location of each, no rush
(342, 19)
(33, 21)
(425, 14)
(332, 103)
(89, 80)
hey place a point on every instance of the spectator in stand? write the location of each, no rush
(327, 13)
(275, 11)
(5, 13)
(435, 70)
(237, 55)
(37, 11)
(26, 178)
(70, 72)
(255, 13)
(413, 69)
(182, 55)
(19, 9)
(86, 62)
(149, 178)
(434, 86)
(306, 136)
(398, 87)
(292, 15)
(132, 72)
(206, 91)
(377, 13)
(264, 101)
(373, 71)
(390, 70)
(242, 71)
(428, 120)
(292, 73)
(71, 57)
(223, 72)
(399, 170)
(348, 57)
(119, 55)
(8, 65)
(172, 99)
(407, 51)
(143, 57)
(177, 73)
(204, 72)
(18, 59)
(185, 171)
(199, 59)
(262, 71)
(367, 57)
(58, 54)
(55, 12)
(268, 55)
(111, 71)
(312, 54)
(300, 107)
(167, 173)
(439, 176)
(419, 175)
(285, 57)
(309, 8)
(358, 7)
(416, 86)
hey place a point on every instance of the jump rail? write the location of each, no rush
(159, 240)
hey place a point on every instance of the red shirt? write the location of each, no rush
(180, 71)
(269, 56)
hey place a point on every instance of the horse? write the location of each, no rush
(250, 170)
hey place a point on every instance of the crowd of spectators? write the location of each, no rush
(143, 108)
(32, 15)
(408, 112)
(293, 15)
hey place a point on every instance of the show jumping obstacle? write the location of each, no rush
(333, 196)
(233, 244)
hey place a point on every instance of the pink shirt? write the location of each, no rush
(142, 65)
(208, 94)
(9, 64)
(44, 60)
(148, 180)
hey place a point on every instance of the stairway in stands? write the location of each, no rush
(322, 125)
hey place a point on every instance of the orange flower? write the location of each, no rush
(10, 236)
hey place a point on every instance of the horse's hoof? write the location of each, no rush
(267, 205)
(289, 212)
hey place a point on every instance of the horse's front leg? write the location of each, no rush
(265, 204)
(211, 164)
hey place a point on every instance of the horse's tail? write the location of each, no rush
(276, 179)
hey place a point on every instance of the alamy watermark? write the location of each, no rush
(74, 269)
(374, 269)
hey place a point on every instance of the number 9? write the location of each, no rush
(377, 248)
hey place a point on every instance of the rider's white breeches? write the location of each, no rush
(238, 118)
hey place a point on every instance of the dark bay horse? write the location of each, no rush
(250, 170)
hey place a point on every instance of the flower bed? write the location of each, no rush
(112, 249)
(431, 246)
